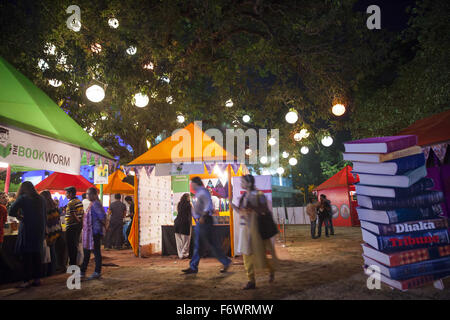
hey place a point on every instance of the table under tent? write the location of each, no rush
(36, 133)
(161, 177)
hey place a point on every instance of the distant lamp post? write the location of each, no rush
(292, 116)
(95, 93)
(140, 100)
(327, 141)
(292, 161)
(338, 109)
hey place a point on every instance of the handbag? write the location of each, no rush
(266, 225)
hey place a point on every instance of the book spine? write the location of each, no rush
(411, 214)
(413, 226)
(395, 155)
(420, 268)
(418, 201)
(400, 144)
(418, 255)
(418, 187)
(412, 240)
(409, 163)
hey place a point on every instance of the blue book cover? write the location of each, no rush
(409, 163)
(398, 215)
(426, 199)
(392, 192)
(406, 241)
(394, 167)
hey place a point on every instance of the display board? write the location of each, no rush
(155, 207)
(180, 186)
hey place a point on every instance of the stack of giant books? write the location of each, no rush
(405, 236)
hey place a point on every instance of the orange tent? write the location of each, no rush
(432, 130)
(116, 185)
(204, 148)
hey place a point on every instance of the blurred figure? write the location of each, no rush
(114, 235)
(203, 210)
(183, 226)
(251, 244)
(85, 201)
(3, 217)
(11, 198)
(93, 230)
(53, 229)
(31, 231)
(74, 223)
(129, 201)
(311, 211)
(325, 204)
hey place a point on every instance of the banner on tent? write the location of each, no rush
(25, 149)
(178, 169)
(101, 174)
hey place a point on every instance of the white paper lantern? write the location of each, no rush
(140, 100)
(327, 141)
(292, 117)
(297, 136)
(95, 93)
(148, 144)
(113, 23)
(285, 154)
(304, 150)
(280, 170)
(292, 161)
(55, 83)
(248, 152)
(246, 118)
(132, 50)
(263, 160)
(304, 133)
(229, 103)
(272, 141)
(180, 118)
(338, 109)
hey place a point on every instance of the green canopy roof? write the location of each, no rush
(25, 106)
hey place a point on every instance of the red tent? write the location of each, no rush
(57, 181)
(339, 189)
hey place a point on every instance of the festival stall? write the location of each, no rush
(36, 133)
(162, 176)
(434, 137)
(116, 184)
(340, 190)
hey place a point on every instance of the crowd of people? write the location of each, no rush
(40, 226)
(88, 225)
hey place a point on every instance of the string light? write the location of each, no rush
(246, 118)
(292, 116)
(292, 161)
(304, 150)
(140, 100)
(327, 141)
(180, 118)
(338, 109)
(95, 93)
(272, 141)
(285, 154)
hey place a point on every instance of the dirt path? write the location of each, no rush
(326, 268)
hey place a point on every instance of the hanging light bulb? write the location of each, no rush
(292, 161)
(280, 170)
(338, 109)
(263, 160)
(292, 116)
(248, 151)
(272, 141)
(180, 118)
(297, 136)
(113, 23)
(285, 154)
(246, 118)
(140, 100)
(229, 103)
(304, 133)
(149, 66)
(42, 65)
(55, 83)
(131, 50)
(95, 93)
(327, 141)
(169, 99)
(304, 150)
(148, 144)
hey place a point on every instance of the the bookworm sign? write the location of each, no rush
(25, 149)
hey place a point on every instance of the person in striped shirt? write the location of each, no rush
(74, 223)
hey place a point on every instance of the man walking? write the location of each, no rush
(114, 235)
(203, 230)
(74, 223)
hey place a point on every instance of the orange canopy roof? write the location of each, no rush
(206, 175)
(116, 185)
(340, 179)
(431, 130)
(180, 147)
(57, 181)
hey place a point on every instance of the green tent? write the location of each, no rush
(26, 107)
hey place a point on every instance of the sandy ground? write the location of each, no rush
(325, 268)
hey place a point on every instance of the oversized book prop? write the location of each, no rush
(406, 236)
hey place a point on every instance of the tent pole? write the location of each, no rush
(230, 199)
(8, 178)
(136, 215)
